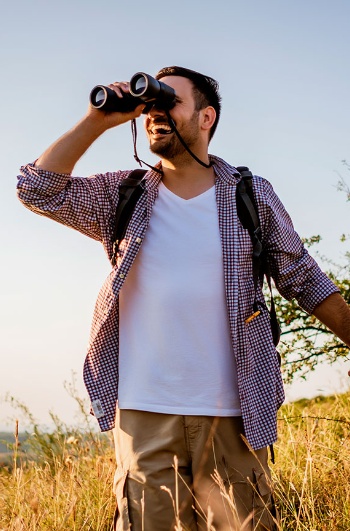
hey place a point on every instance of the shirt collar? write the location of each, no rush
(223, 171)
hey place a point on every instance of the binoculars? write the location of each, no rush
(143, 89)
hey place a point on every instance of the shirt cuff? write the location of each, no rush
(34, 179)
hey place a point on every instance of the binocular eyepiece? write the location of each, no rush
(143, 89)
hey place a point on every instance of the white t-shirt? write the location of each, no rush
(175, 351)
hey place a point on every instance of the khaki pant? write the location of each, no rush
(214, 483)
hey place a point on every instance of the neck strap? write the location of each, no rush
(173, 126)
(136, 157)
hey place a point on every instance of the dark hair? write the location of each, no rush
(205, 89)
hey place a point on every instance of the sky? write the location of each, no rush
(283, 69)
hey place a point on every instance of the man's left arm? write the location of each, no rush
(335, 314)
(295, 272)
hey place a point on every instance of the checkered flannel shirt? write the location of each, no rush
(89, 205)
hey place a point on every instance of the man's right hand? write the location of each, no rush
(113, 119)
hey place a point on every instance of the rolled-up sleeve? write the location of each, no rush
(84, 203)
(295, 273)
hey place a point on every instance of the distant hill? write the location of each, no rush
(7, 441)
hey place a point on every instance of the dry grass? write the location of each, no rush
(312, 470)
(69, 491)
(66, 484)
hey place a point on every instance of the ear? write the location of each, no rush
(208, 118)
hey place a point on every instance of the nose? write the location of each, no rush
(155, 111)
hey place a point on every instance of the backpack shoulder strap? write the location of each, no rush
(246, 202)
(248, 214)
(130, 191)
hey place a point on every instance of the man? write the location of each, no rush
(175, 361)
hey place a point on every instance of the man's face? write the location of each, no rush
(163, 141)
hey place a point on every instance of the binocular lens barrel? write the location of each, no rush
(150, 89)
(98, 96)
(105, 99)
(139, 84)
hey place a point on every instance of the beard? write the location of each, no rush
(170, 146)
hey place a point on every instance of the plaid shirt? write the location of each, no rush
(89, 205)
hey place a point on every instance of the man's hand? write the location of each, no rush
(62, 155)
(335, 314)
(106, 120)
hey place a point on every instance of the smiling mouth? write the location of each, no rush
(160, 129)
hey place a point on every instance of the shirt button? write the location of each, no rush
(138, 240)
(121, 275)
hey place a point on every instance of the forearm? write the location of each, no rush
(62, 155)
(335, 314)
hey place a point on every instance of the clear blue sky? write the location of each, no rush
(283, 69)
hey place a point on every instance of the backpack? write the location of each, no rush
(131, 190)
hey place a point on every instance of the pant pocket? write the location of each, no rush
(121, 515)
(265, 513)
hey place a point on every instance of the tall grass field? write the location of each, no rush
(62, 481)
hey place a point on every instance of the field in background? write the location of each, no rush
(62, 481)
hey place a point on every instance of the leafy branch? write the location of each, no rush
(306, 342)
